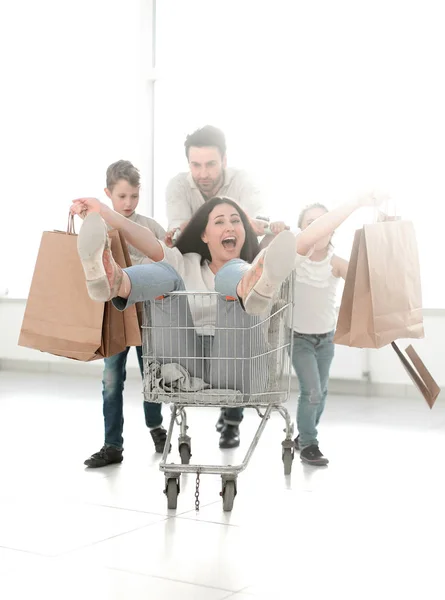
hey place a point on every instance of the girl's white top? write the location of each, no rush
(315, 295)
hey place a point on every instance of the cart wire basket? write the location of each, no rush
(201, 349)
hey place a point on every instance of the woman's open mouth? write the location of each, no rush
(229, 242)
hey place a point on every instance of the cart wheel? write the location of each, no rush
(172, 493)
(228, 494)
(288, 457)
(185, 453)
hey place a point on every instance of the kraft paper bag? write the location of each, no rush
(132, 316)
(60, 318)
(382, 298)
(419, 374)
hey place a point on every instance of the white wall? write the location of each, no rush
(349, 364)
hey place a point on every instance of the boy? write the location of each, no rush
(123, 183)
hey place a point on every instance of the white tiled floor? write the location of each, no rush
(371, 525)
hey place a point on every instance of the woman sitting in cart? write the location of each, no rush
(218, 251)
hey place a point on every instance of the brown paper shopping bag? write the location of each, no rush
(419, 374)
(131, 316)
(60, 318)
(382, 299)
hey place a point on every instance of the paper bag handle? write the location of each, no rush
(70, 229)
(383, 213)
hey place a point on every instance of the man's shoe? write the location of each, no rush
(220, 422)
(159, 436)
(312, 456)
(297, 443)
(107, 455)
(229, 437)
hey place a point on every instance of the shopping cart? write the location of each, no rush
(239, 361)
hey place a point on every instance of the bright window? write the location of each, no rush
(72, 103)
(317, 100)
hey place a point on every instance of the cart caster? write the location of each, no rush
(288, 457)
(172, 491)
(228, 494)
(185, 453)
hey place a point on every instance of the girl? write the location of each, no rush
(316, 279)
(217, 251)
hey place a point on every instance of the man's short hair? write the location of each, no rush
(206, 136)
(122, 169)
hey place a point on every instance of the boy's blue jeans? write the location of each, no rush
(113, 381)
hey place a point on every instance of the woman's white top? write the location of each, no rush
(197, 277)
(315, 296)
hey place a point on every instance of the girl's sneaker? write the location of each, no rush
(311, 455)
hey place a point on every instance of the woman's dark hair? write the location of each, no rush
(190, 239)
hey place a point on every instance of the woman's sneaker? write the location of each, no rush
(103, 275)
(311, 455)
(268, 271)
(107, 455)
